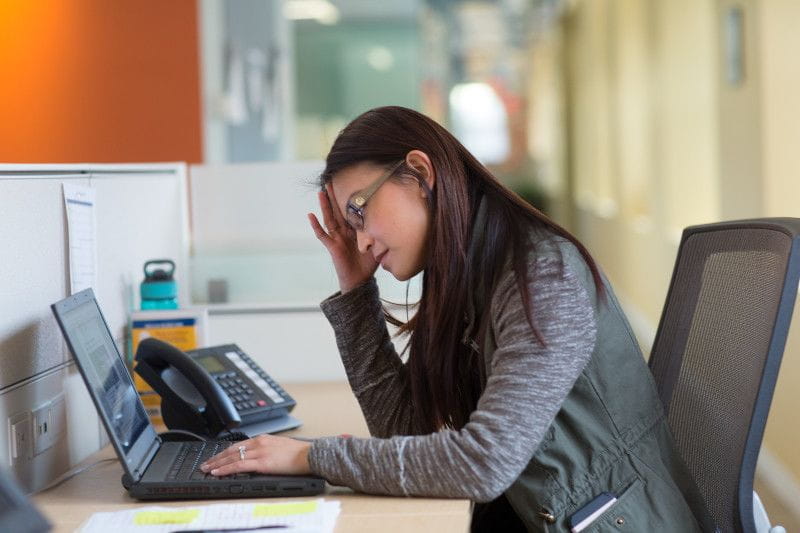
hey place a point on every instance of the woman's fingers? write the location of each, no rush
(247, 465)
(321, 234)
(336, 229)
(231, 460)
(265, 454)
(231, 454)
(337, 215)
(328, 212)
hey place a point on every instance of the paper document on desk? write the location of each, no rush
(309, 516)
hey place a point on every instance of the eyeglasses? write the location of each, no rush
(357, 202)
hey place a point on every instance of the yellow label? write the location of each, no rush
(141, 385)
(285, 509)
(152, 406)
(182, 337)
(156, 518)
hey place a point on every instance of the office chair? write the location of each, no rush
(717, 352)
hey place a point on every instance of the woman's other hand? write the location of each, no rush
(266, 454)
(352, 267)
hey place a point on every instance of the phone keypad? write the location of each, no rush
(240, 393)
(243, 395)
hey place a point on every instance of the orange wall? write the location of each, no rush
(99, 81)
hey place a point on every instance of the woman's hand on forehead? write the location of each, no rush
(352, 267)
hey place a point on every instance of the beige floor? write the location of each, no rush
(779, 514)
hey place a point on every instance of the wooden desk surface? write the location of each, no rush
(325, 409)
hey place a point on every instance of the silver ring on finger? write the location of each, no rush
(242, 451)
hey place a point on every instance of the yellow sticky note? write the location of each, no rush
(156, 518)
(284, 509)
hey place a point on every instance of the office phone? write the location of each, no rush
(209, 390)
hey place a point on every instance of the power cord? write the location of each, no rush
(180, 435)
(69, 474)
(173, 434)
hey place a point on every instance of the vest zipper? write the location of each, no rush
(546, 516)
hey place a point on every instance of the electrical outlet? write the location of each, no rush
(41, 428)
(49, 421)
(19, 438)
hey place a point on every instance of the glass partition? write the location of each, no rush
(281, 79)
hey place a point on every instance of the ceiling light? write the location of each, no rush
(323, 11)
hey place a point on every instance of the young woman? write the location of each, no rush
(523, 390)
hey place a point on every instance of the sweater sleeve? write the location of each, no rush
(527, 383)
(376, 374)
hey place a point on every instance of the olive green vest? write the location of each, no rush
(610, 435)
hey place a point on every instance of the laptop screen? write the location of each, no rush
(103, 369)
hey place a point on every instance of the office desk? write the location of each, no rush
(325, 409)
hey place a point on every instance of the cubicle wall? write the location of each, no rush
(249, 229)
(250, 232)
(141, 213)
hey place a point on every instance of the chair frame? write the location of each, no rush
(772, 361)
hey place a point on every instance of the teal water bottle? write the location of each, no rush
(159, 289)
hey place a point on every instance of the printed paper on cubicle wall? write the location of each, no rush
(79, 202)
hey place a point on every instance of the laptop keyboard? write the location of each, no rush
(191, 455)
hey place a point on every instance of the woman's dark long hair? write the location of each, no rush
(445, 376)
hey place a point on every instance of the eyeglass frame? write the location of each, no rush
(357, 203)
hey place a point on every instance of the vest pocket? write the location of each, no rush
(629, 512)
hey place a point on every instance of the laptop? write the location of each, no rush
(153, 469)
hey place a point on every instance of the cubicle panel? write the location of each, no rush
(251, 235)
(33, 274)
(77, 434)
(140, 213)
(292, 345)
(139, 217)
(254, 206)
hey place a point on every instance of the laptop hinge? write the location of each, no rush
(138, 471)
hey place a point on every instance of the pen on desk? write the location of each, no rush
(230, 530)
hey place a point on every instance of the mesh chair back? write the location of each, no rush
(717, 351)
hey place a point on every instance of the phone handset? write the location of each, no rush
(190, 398)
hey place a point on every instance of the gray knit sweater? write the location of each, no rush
(526, 385)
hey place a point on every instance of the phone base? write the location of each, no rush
(273, 425)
